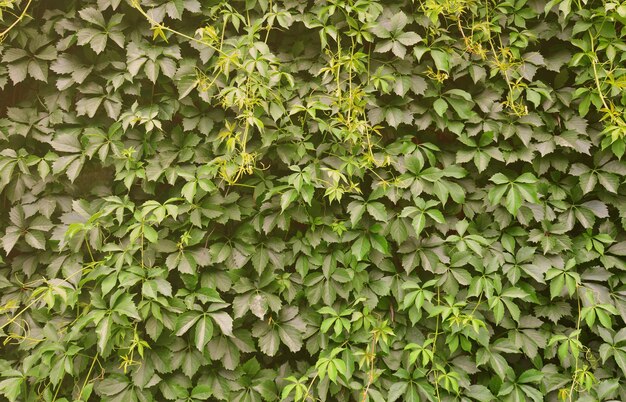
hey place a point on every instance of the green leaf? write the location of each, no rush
(441, 59)
(150, 234)
(103, 330)
(440, 106)
(287, 198)
(201, 391)
(396, 391)
(126, 306)
(36, 239)
(513, 200)
(186, 321)
(11, 387)
(204, 332)
(499, 178)
(361, 247)
(377, 211)
(436, 215)
(224, 321)
(419, 221)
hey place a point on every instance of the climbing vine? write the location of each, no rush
(338, 200)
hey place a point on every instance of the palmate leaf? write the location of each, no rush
(229, 349)
(203, 324)
(97, 36)
(287, 329)
(518, 190)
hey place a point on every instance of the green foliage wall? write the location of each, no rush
(339, 200)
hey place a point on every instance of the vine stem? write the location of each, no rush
(571, 390)
(269, 26)
(89, 250)
(370, 379)
(17, 21)
(93, 363)
(306, 395)
(595, 74)
(54, 398)
(21, 312)
(434, 349)
(142, 248)
(480, 297)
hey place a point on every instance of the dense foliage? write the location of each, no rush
(339, 200)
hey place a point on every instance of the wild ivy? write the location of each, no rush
(337, 200)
